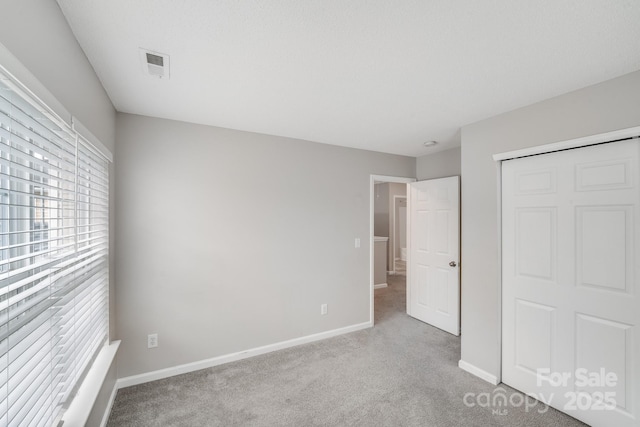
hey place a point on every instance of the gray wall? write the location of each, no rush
(608, 106)
(382, 213)
(395, 189)
(439, 165)
(230, 240)
(38, 35)
(381, 210)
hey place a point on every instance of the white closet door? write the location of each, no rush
(571, 303)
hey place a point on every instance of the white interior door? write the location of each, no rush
(433, 273)
(571, 303)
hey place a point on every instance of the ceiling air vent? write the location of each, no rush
(155, 64)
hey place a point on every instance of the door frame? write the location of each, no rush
(601, 138)
(372, 181)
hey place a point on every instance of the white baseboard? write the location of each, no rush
(220, 360)
(490, 378)
(107, 411)
(380, 285)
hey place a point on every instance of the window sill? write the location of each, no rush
(82, 404)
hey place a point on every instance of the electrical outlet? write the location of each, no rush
(323, 309)
(152, 340)
(357, 242)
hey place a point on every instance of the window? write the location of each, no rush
(54, 272)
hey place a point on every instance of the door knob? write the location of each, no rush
(452, 264)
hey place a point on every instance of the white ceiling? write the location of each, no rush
(383, 75)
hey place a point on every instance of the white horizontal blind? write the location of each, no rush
(53, 260)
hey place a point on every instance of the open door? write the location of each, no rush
(433, 272)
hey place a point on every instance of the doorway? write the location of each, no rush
(380, 179)
(398, 240)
